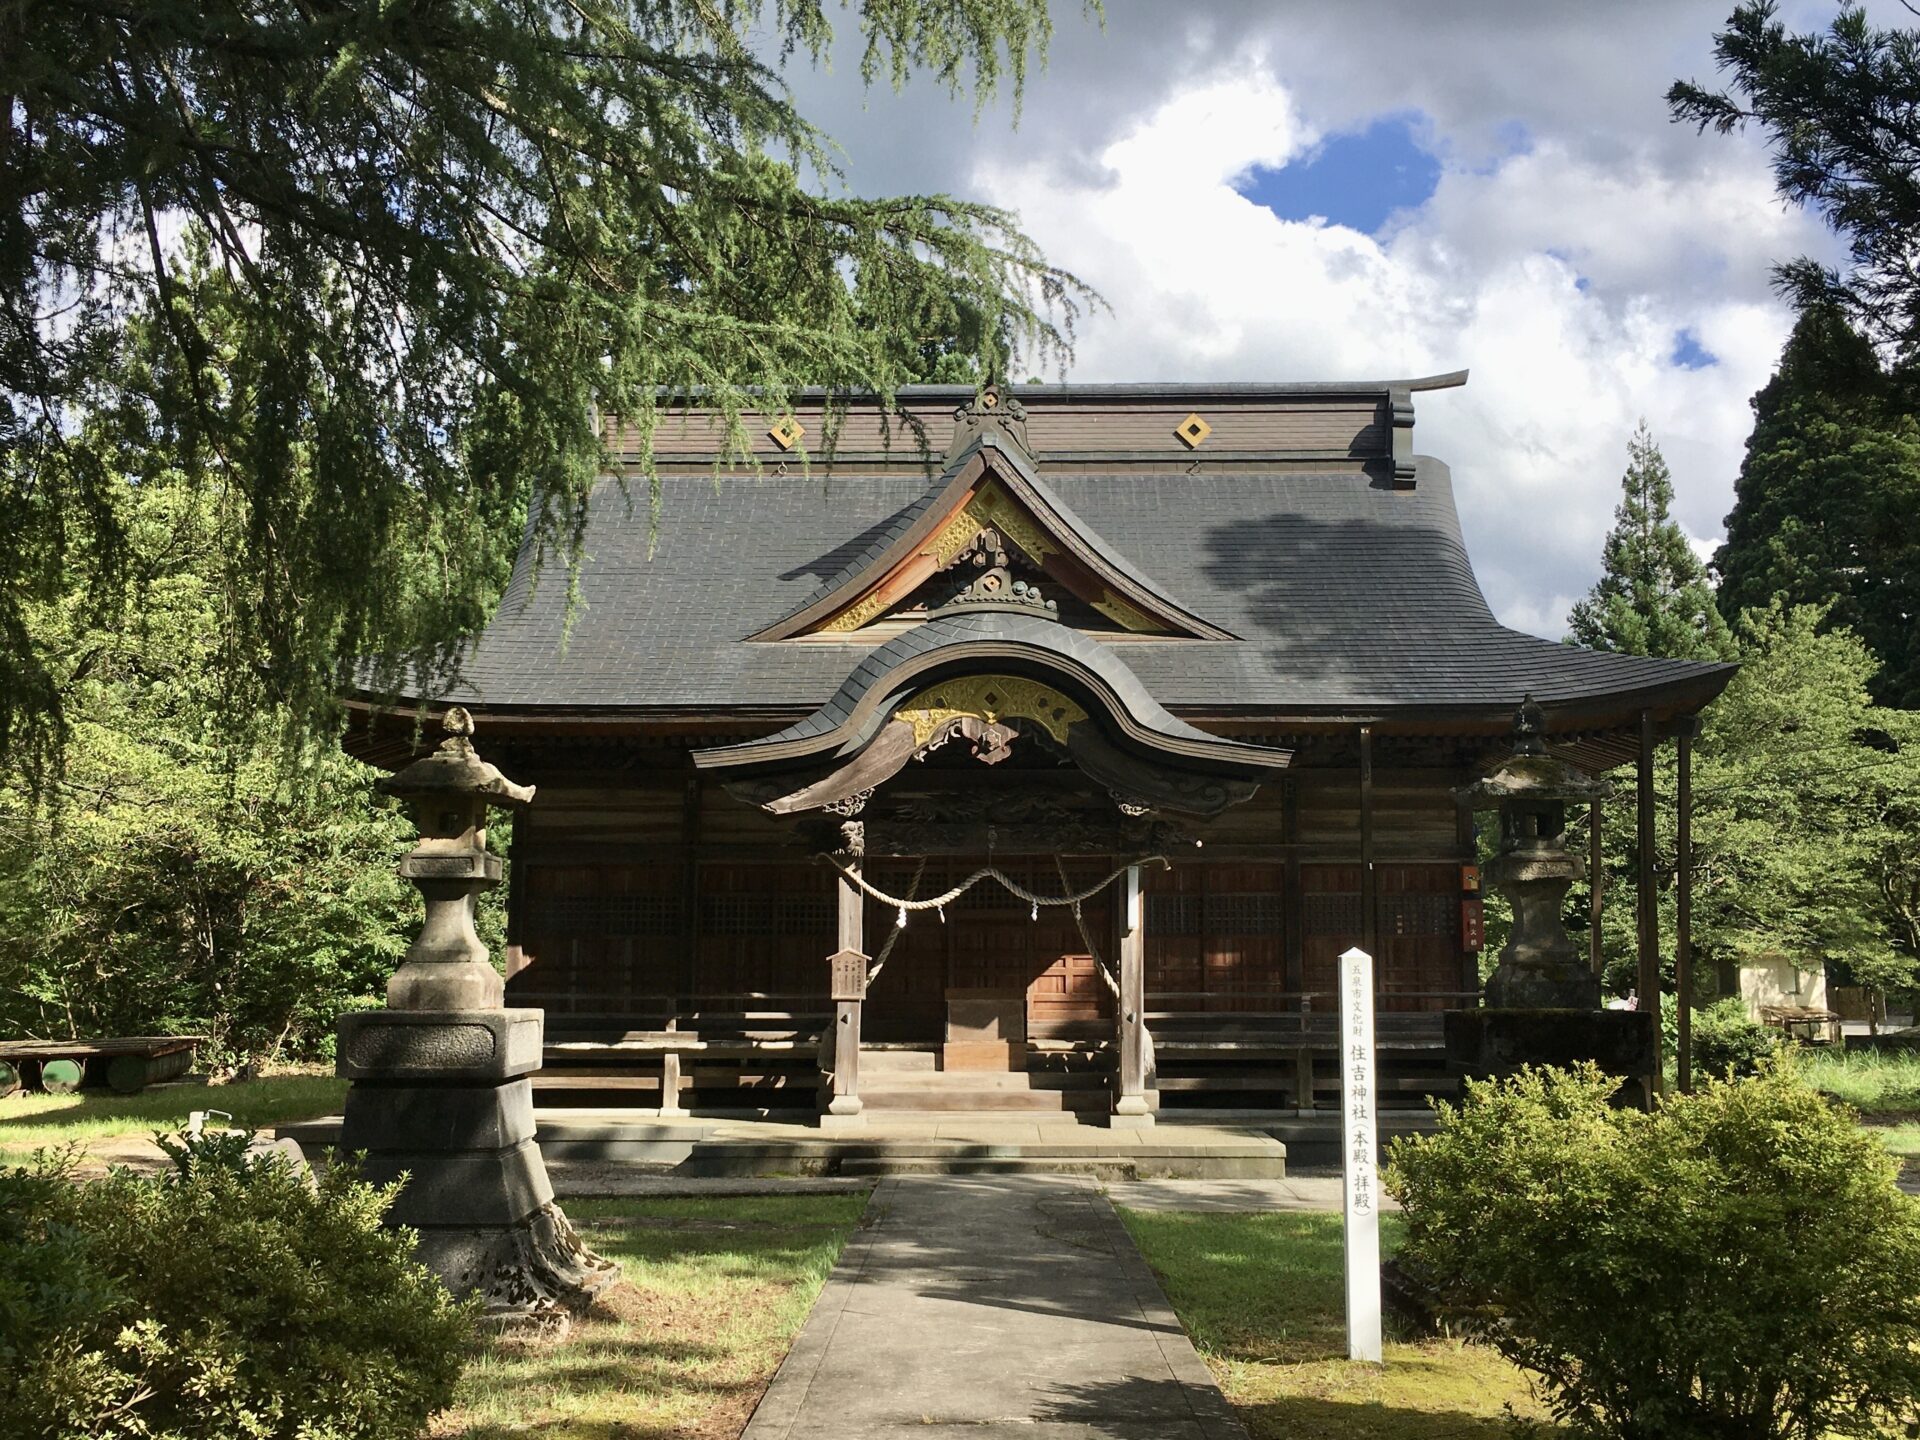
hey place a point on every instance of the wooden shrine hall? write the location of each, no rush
(1033, 749)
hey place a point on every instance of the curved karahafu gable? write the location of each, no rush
(993, 678)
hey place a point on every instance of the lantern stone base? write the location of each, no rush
(443, 1097)
(1493, 1043)
(1543, 983)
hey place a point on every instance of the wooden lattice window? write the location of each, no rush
(635, 915)
(1173, 914)
(1409, 915)
(1331, 914)
(1255, 914)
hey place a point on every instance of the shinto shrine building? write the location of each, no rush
(1211, 657)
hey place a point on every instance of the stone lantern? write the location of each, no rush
(1542, 1001)
(441, 1090)
(448, 794)
(1540, 968)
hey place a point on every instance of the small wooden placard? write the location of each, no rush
(849, 975)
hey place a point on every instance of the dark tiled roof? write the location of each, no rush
(1353, 597)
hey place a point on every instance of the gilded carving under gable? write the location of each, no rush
(993, 506)
(954, 537)
(990, 698)
(868, 607)
(990, 507)
(1126, 616)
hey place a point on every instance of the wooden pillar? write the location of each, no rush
(1468, 845)
(1130, 1106)
(1683, 909)
(689, 891)
(849, 964)
(1596, 888)
(670, 1084)
(1648, 914)
(1293, 903)
(515, 956)
(1369, 896)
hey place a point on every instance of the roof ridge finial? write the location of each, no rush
(993, 411)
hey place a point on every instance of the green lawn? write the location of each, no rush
(1263, 1298)
(715, 1291)
(1876, 1083)
(31, 1121)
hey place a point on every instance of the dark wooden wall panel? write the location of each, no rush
(1216, 936)
(1410, 818)
(602, 922)
(1342, 427)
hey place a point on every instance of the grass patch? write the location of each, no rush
(32, 1121)
(1902, 1140)
(1874, 1082)
(1263, 1297)
(715, 1291)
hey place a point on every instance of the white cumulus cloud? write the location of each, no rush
(1487, 275)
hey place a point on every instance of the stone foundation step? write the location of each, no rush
(1314, 1140)
(986, 1099)
(1100, 1167)
(885, 1079)
(1254, 1158)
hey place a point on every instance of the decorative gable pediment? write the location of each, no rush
(990, 521)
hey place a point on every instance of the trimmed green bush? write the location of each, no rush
(1727, 1041)
(231, 1298)
(1735, 1264)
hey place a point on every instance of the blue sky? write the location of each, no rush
(1358, 179)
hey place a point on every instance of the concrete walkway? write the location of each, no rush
(992, 1306)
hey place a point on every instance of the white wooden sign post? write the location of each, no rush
(1359, 1111)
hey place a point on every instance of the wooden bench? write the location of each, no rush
(1286, 1046)
(126, 1064)
(671, 1046)
(1804, 1022)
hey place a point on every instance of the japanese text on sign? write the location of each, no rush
(1359, 1112)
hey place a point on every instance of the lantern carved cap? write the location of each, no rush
(455, 769)
(1530, 773)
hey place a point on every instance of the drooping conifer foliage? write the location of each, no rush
(1826, 509)
(1653, 596)
(442, 241)
(1840, 110)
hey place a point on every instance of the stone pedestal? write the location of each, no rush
(1490, 1044)
(443, 1096)
(1540, 967)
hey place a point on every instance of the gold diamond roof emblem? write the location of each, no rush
(786, 432)
(1193, 431)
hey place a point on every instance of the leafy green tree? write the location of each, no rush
(1806, 826)
(1800, 785)
(449, 240)
(1653, 596)
(176, 877)
(1841, 112)
(1825, 508)
(186, 871)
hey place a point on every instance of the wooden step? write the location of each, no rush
(899, 1059)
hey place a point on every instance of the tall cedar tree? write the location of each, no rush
(1841, 113)
(456, 237)
(1653, 596)
(1825, 508)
